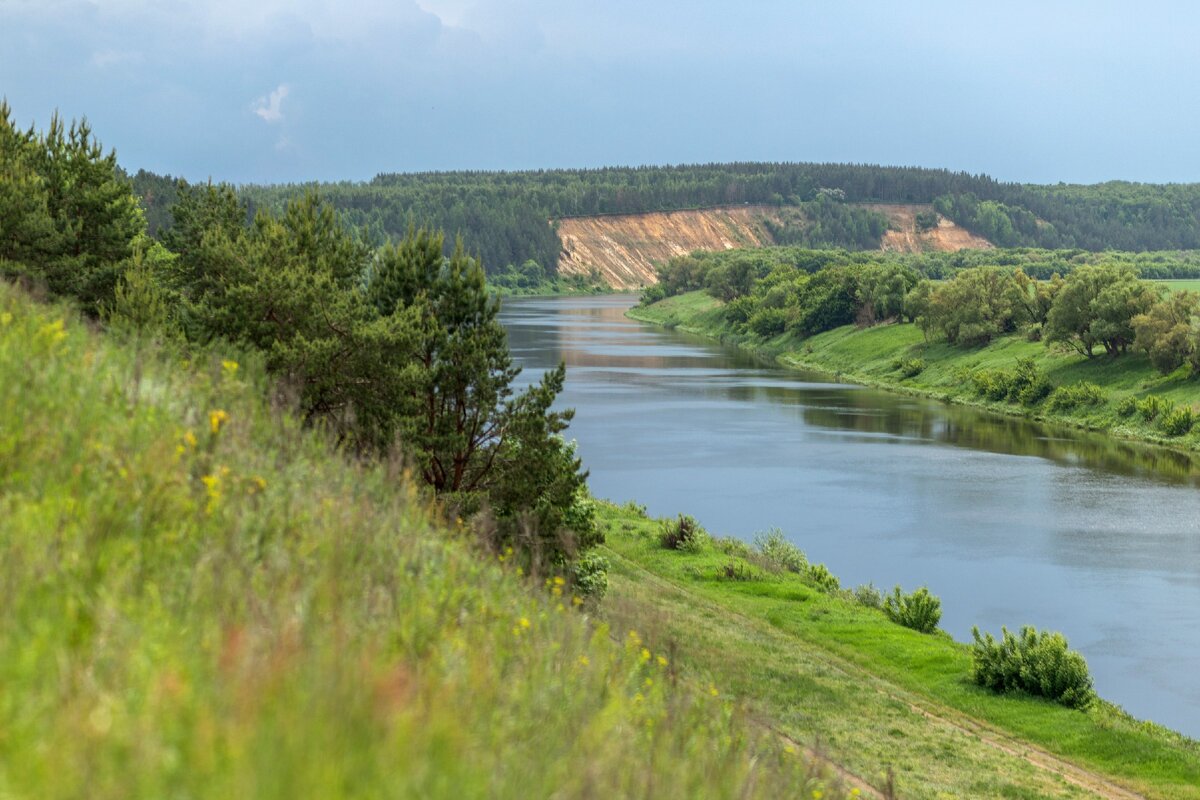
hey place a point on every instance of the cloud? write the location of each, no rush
(269, 107)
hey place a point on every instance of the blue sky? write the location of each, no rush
(293, 90)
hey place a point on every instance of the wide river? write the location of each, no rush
(1008, 521)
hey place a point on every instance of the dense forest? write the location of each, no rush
(508, 216)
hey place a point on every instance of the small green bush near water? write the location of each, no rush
(1083, 393)
(867, 595)
(823, 578)
(1038, 663)
(681, 533)
(921, 610)
(774, 548)
(909, 367)
(1177, 421)
(1127, 407)
(1152, 406)
(1026, 384)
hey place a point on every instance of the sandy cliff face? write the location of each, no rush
(624, 248)
(905, 238)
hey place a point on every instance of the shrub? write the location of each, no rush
(682, 533)
(778, 551)
(867, 595)
(590, 574)
(734, 547)
(920, 610)
(1127, 407)
(1037, 663)
(1026, 385)
(768, 322)
(1152, 406)
(1177, 421)
(909, 367)
(825, 580)
(1083, 393)
(737, 571)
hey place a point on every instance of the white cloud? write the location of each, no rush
(270, 107)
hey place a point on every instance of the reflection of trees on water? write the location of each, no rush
(877, 413)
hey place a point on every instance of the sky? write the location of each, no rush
(298, 90)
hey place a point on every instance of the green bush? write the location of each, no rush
(1037, 663)
(920, 610)
(1026, 384)
(778, 551)
(590, 574)
(768, 322)
(825, 580)
(737, 571)
(1127, 407)
(909, 367)
(1083, 393)
(1177, 421)
(867, 595)
(1152, 406)
(681, 533)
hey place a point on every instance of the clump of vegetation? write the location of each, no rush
(1026, 384)
(1127, 407)
(867, 595)
(819, 575)
(1151, 406)
(1177, 421)
(921, 610)
(682, 533)
(590, 575)
(774, 548)
(737, 571)
(1083, 393)
(1037, 663)
(909, 367)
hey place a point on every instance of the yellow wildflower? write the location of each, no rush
(524, 622)
(189, 439)
(216, 419)
(662, 662)
(645, 655)
(576, 601)
(712, 690)
(584, 661)
(558, 580)
(230, 368)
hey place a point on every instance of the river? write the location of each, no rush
(1008, 521)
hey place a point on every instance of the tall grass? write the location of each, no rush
(198, 598)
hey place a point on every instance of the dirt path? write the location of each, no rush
(942, 716)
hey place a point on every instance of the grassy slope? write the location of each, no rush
(200, 599)
(867, 357)
(826, 667)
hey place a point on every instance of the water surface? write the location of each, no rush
(1008, 521)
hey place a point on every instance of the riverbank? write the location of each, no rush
(896, 357)
(823, 669)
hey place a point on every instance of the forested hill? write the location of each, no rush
(507, 216)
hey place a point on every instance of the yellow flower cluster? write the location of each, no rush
(212, 488)
(216, 419)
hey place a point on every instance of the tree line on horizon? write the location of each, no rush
(509, 216)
